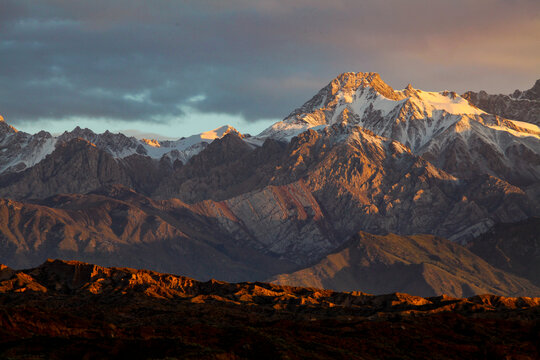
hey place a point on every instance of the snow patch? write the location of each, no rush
(535, 129)
(445, 101)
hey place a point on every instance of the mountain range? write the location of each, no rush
(333, 196)
(520, 105)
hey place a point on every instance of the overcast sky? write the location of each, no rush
(179, 67)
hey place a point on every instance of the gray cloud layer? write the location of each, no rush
(142, 60)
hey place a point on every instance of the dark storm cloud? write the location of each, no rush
(141, 60)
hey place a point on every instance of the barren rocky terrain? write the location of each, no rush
(71, 309)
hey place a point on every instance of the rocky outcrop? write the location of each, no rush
(520, 105)
(420, 264)
(58, 277)
(72, 309)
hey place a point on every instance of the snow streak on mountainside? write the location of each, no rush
(20, 150)
(441, 126)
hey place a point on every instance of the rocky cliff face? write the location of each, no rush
(520, 105)
(378, 184)
(77, 166)
(362, 181)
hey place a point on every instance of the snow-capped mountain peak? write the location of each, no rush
(218, 133)
(364, 99)
(19, 150)
(430, 123)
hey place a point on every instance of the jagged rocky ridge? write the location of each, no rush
(520, 105)
(20, 150)
(72, 309)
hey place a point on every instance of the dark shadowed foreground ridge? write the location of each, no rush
(71, 309)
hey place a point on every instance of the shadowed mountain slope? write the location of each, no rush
(514, 248)
(78, 166)
(419, 264)
(136, 231)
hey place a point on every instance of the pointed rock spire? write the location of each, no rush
(5, 127)
(351, 81)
